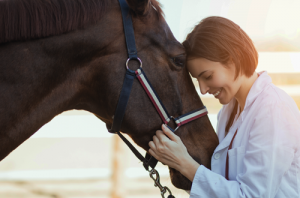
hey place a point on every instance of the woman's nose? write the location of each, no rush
(203, 88)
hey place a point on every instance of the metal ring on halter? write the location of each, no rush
(176, 128)
(171, 117)
(134, 59)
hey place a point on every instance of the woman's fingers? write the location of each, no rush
(153, 149)
(169, 133)
(162, 137)
(152, 145)
(156, 140)
(168, 151)
(159, 142)
(152, 152)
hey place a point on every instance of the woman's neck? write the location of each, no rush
(242, 93)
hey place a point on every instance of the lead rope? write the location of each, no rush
(153, 173)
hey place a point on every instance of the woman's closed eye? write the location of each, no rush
(209, 77)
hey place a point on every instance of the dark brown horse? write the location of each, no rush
(58, 55)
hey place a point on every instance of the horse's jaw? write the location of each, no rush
(178, 180)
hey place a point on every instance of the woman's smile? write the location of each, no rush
(218, 93)
(215, 78)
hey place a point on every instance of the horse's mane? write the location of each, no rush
(31, 19)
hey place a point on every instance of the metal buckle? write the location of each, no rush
(171, 117)
(163, 189)
(134, 59)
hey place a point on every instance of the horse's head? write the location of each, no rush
(164, 61)
(71, 55)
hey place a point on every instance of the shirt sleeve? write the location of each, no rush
(269, 154)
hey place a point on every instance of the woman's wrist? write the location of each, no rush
(189, 168)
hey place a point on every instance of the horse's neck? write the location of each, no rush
(32, 93)
(38, 81)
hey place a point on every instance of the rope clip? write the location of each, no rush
(163, 189)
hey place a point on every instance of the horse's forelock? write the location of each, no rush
(158, 7)
(142, 8)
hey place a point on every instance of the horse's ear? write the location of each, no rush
(140, 7)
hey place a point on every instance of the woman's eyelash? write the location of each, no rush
(209, 77)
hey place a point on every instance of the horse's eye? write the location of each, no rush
(179, 60)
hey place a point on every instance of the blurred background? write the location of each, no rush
(74, 156)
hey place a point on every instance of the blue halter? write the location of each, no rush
(148, 160)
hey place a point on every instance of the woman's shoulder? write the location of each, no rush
(274, 103)
(273, 96)
(277, 115)
(263, 92)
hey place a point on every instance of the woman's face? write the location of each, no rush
(215, 78)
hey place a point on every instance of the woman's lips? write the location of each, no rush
(217, 95)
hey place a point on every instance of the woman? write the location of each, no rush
(258, 125)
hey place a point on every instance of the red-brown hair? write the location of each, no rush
(220, 40)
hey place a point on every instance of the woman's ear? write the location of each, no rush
(230, 63)
(140, 7)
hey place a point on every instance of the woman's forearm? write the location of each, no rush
(189, 168)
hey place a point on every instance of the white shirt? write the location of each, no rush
(265, 157)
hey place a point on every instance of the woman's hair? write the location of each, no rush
(220, 40)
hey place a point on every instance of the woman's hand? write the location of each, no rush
(172, 152)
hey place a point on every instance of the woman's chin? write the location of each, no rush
(224, 101)
(179, 181)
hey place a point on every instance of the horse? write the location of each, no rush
(59, 55)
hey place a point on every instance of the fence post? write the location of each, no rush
(119, 164)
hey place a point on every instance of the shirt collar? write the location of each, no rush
(257, 87)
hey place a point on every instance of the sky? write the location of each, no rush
(267, 22)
